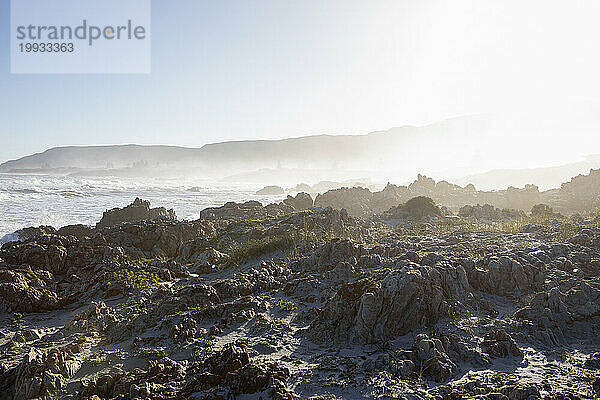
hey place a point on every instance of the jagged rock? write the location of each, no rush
(385, 362)
(504, 275)
(231, 367)
(459, 348)
(402, 301)
(302, 201)
(184, 331)
(270, 191)
(593, 361)
(499, 343)
(266, 276)
(431, 360)
(21, 292)
(98, 316)
(33, 233)
(556, 309)
(139, 210)
(208, 261)
(44, 374)
(78, 230)
(331, 254)
(521, 391)
(47, 252)
(247, 210)
(153, 238)
(356, 201)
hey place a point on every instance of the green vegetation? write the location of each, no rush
(102, 357)
(189, 311)
(287, 305)
(420, 207)
(560, 228)
(202, 348)
(151, 353)
(326, 396)
(17, 317)
(134, 281)
(255, 248)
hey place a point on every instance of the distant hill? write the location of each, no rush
(450, 149)
(403, 150)
(545, 178)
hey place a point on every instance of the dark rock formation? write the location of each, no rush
(271, 191)
(498, 343)
(139, 210)
(302, 201)
(403, 300)
(247, 210)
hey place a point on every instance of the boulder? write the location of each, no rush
(22, 291)
(498, 343)
(271, 191)
(248, 210)
(302, 201)
(403, 300)
(139, 210)
(431, 360)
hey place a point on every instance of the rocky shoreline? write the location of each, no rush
(304, 300)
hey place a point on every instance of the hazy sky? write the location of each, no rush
(226, 69)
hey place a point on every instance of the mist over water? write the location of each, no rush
(33, 200)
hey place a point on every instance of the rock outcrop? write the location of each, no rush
(301, 202)
(271, 191)
(139, 210)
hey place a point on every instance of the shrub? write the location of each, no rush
(255, 248)
(134, 281)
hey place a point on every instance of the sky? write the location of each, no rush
(241, 69)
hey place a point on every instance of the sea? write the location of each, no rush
(34, 200)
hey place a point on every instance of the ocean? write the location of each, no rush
(34, 200)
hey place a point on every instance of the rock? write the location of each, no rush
(557, 309)
(20, 294)
(302, 187)
(301, 202)
(593, 361)
(209, 261)
(248, 210)
(356, 201)
(331, 254)
(184, 331)
(402, 301)
(431, 360)
(504, 276)
(231, 367)
(499, 343)
(521, 391)
(78, 230)
(270, 191)
(402, 368)
(139, 210)
(33, 233)
(44, 374)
